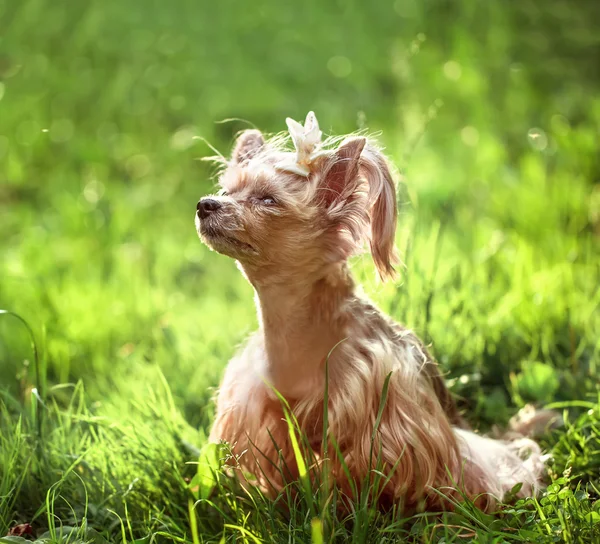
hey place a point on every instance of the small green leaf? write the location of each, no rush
(13, 539)
(564, 493)
(592, 518)
(516, 488)
(209, 464)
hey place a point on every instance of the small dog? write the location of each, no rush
(292, 220)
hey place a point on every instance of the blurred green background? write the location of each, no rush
(490, 110)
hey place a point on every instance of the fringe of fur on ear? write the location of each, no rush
(383, 213)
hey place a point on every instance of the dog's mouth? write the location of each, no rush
(220, 241)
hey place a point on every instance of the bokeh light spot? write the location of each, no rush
(452, 70)
(537, 139)
(183, 138)
(93, 191)
(470, 136)
(339, 66)
(138, 166)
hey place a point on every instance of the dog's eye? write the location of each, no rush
(267, 200)
(222, 192)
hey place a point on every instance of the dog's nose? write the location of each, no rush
(206, 206)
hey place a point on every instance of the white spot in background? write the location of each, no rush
(470, 136)
(339, 66)
(183, 138)
(537, 139)
(452, 70)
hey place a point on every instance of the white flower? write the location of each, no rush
(306, 140)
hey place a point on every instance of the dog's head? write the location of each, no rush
(282, 216)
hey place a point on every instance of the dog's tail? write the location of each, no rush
(501, 465)
(513, 457)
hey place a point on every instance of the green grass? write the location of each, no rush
(491, 112)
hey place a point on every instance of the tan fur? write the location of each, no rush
(293, 247)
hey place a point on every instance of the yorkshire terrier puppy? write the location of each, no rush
(292, 219)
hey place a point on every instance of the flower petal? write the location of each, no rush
(311, 129)
(296, 131)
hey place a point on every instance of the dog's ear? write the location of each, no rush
(342, 191)
(247, 145)
(339, 181)
(383, 211)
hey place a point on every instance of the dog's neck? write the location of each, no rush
(302, 322)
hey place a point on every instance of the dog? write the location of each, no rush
(291, 219)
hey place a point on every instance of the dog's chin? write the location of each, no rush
(224, 243)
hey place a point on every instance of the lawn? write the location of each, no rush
(489, 110)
